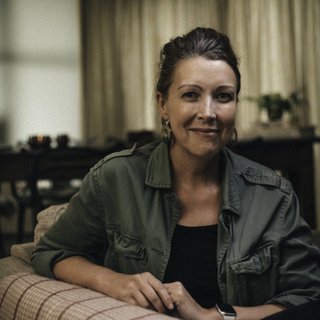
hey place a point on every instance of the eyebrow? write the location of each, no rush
(195, 85)
(189, 85)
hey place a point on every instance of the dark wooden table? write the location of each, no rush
(20, 164)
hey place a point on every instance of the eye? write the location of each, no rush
(225, 97)
(190, 96)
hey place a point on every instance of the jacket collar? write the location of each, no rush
(158, 175)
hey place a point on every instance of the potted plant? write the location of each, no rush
(275, 105)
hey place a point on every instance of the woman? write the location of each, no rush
(185, 225)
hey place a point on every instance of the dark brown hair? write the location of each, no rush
(205, 42)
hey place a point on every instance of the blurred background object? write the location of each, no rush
(39, 142)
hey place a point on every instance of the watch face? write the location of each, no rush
(227, 310)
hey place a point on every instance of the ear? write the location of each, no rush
(161, 104)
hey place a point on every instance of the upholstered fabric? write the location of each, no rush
(46, 218)
(29, 296)
(12, 265)
(23, 251)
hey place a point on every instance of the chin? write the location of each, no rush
(205, 151)
(199, 149)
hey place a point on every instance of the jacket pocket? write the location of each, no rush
(126, 252)
(252, 280)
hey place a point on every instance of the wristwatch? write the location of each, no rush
(226, 311)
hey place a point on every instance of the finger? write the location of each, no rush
(162, 292)
(140, 299)
(177, 292)
(173, 286)
(154, 299)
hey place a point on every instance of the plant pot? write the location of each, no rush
(275, 112)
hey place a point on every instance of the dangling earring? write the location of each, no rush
(234, 139)
(166, 130)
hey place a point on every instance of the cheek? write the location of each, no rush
(228, 116)
(177, 127)
(178, 117)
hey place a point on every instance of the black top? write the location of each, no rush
(193, 262)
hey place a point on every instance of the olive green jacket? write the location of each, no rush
(126, 211)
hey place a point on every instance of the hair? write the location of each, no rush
(204, 42)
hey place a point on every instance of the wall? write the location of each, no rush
(39, 69)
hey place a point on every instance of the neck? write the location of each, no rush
(194, 171)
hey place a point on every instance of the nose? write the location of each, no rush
(207, 110)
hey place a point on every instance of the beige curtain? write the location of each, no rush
(278, 42)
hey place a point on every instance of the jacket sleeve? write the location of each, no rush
(80, 231)
(299, 268)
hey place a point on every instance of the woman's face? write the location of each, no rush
(201, 106)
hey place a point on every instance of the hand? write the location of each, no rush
(141, 289)
(186, 306)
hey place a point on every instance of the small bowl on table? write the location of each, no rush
(39, 142)
(62, 141)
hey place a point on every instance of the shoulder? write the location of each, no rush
(255, 173)
(131, 158)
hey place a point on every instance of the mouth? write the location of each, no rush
(205, 131)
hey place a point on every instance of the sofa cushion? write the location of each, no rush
(46, 218)
(29, 296)
(23, 251)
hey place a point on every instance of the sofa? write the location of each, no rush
(26, 295)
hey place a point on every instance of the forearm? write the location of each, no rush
(259, 312)
(82, 272)
(243, 313)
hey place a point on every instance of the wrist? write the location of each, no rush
(226, 311)
(210, 314)
(103, 280)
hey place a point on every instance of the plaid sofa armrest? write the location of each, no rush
(29, 296)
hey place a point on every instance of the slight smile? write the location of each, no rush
(205, 131)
